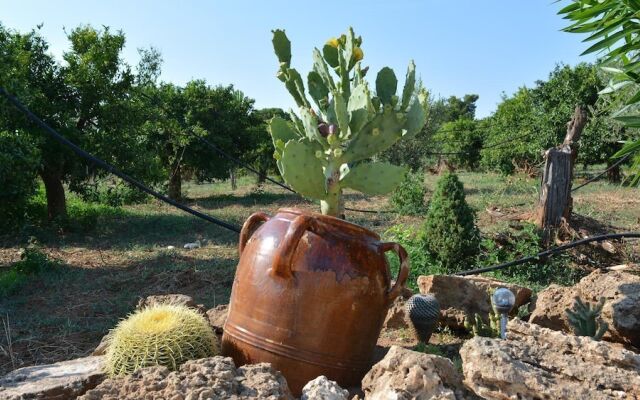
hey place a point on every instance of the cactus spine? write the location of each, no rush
(346, 124)
(164, 334)
(585, 320)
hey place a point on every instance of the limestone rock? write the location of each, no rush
(396, 316)
(523, 294)
(218, 316)
(621, 309)
(322, 388)
(207, 378)
(538, 363)
(461, 296)
(59, 381)
(404, 374)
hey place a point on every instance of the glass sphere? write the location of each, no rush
(503, 300)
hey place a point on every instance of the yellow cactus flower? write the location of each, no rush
(358, 54)
(333, 42)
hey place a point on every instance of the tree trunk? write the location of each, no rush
(614, 175)
(56, 200)
(555, 203)
(261, 178)
(175, 183)
(232, 178)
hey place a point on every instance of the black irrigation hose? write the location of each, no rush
(595, 178)
(550, 252)
(55, 135)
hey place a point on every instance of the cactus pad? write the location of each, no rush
(386, 85)
(282, 46)
(163, 334)
(302, 170)
(374, 178)
(377, 135)
(409, 86)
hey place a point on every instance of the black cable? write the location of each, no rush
(550, 252)
(620, 161)
(55, 135)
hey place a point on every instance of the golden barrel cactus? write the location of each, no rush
(163, 334)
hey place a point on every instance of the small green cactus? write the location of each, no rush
(164, 334)
(328, 145)
(585, 320)
(479, 328)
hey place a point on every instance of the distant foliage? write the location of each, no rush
(449, 233)
(109, 192)
(409, 197)
(19, 161)
(463, 136)
(534, 119)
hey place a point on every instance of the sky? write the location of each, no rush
(487, 47)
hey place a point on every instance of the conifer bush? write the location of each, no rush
(450, 234)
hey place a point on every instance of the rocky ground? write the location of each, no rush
(541, 358)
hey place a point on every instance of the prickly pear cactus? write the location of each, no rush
(478, 327)
(585, 320)
(164, 334)
(329, 144)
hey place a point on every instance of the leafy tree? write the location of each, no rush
(515, 122)
(463, 139)
(261, 153)
(461, 108)
(178, 117)
(533, 120)
(19, 164)
(449, 233)
(87, 99)
(418, 151)
(612, 27)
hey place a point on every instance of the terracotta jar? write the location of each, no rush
(310, 296)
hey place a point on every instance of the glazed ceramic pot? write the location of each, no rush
(310, 296)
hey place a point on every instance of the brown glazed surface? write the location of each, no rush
(309, 296)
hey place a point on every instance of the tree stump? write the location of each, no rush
(555, 203)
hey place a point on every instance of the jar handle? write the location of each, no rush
(249, 227)
(284, 255)
(403, 273)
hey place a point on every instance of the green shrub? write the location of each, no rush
(109, 192)
(18, 167)
(449, 233)
(32, 262)
(524, 242)
(421, 262)
(408, 197)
